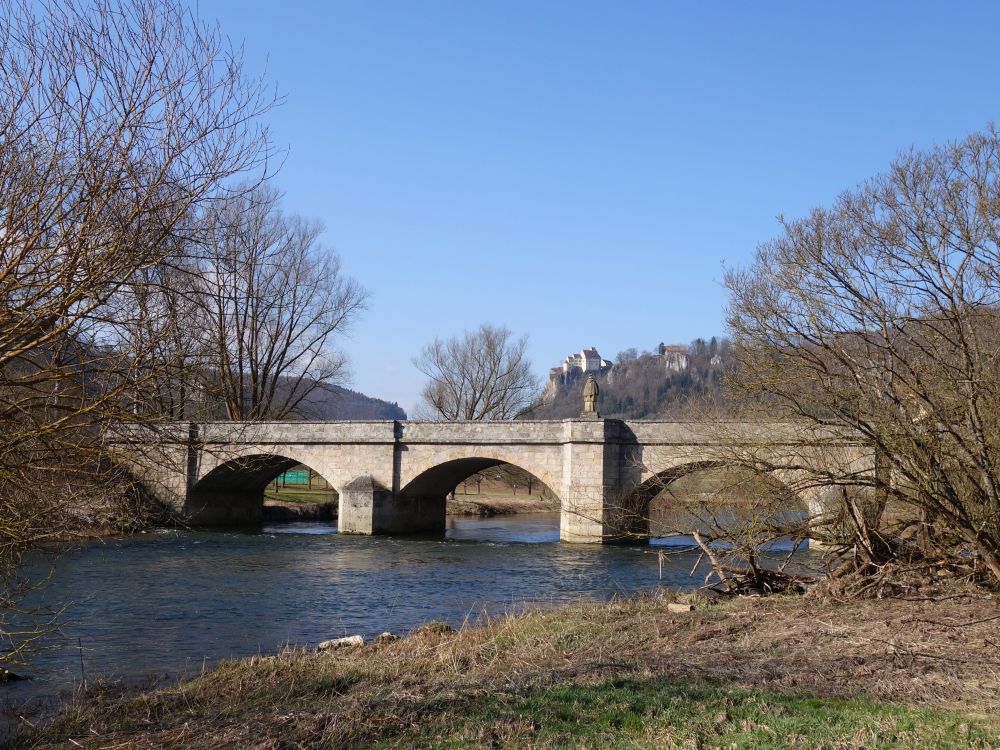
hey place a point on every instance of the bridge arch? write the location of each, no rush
(637, 506)
(442, 478)
(424, 478)
(232, 491)
(656, 482)
(433, 466)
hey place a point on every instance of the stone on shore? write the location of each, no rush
(350, 641)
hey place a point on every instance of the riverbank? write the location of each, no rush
(500, 504)
(300, 504)
(752, 673)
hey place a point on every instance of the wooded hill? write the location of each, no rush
(320, 402)
(330, 402)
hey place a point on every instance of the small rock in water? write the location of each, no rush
(386, 637)
(350, 641)
(678, 607)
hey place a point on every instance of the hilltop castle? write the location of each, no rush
(673, 356)
(586, 360)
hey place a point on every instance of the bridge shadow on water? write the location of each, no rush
(524, 528)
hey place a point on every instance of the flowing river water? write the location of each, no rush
(167, 603)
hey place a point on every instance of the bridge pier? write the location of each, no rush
(366, 507)
(595, 474)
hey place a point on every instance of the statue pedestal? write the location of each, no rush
(589, 415)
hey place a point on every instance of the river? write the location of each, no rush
(166, 603)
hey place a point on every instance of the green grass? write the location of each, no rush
(296, 495)
(655, 713)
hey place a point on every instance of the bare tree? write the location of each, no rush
(482, 375)
(272, 302)
(160, 326)
(118, 121)
(879, 316)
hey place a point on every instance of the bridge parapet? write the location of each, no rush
(298, 433)
(476, 433)
(648, 432)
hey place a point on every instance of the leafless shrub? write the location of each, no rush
(878, 316)
(746, 527)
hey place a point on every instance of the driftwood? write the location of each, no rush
(752, 579)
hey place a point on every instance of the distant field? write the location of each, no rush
(492, 497)
(300, 485)
(293, 494)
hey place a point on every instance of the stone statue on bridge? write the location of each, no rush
(590, 391)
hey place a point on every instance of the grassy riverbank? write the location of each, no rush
(773, 673)
(297, 494)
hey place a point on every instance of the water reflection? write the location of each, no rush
(535, 528)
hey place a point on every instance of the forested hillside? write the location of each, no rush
(641, 386)
(334, 402)
(309, 400)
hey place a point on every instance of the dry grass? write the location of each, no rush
(773, 672)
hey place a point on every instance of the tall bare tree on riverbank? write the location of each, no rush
(482, 375)
(119, 121)
(271, 301)
(880, 315)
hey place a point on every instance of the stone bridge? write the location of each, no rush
(393, 477)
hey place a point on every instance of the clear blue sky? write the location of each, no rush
(582, 171)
